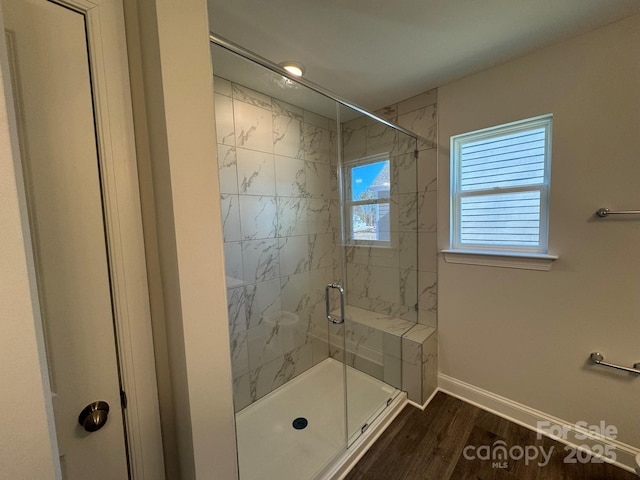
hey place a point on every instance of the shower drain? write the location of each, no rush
(300, 423)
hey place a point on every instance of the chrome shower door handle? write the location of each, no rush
(330, 317)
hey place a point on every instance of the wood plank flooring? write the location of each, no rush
(430, 445)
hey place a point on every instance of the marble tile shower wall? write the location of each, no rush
(392, 281)
(280, 209)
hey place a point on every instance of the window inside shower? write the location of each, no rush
(367, 201)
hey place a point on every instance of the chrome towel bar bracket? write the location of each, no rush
(598, 359)
(605, 212)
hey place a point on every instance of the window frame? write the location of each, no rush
(349, 202)
(456, 194)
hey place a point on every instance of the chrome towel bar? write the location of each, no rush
(605, 212)
(598, 359)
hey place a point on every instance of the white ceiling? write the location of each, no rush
(378, 52)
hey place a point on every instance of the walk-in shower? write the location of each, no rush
(320, 208)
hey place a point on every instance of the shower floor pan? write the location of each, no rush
(270, 448)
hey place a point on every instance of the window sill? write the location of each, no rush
(525, 261)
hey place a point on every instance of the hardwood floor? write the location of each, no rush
(431, 445)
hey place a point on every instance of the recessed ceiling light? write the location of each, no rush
(294, 68)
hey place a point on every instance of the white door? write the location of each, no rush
(52, 86)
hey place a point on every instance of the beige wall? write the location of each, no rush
(526, 335)
(28, 448)
(176, 142)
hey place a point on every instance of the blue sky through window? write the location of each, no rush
(362, 177)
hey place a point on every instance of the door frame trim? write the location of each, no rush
(124, 235)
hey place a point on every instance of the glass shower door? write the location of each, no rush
(378, 187)
(277, 155)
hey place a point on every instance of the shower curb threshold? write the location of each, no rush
(343, 465)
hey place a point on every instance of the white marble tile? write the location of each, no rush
(408, 250)
(404, 174)
(287, 136)
(428, 255)
(279, 371)
(294, 329)
(317, 120)
(253, 127)
(227, 173)
(381, 257)
(294, 254)
(263, 301)
(354, 140)
(236, 310)
(427, 170)
(380, 139)
(412, 381)
(395, 310)
(359, 278)
(295, 292)
(318, 323)
(318, 183)
(239, 354)
(290, 177)
(318, 216)
(358, 301)
(392, 345)
(264, 343)
(378, 320)
(428, 212)
(318, 280)
(260, 261)
(419, 101)
(317, 143)
(321, 250)
(371, 368)
(292, 216)
(333, 182)
(222, 86)
(429, 366)
(406, 144)
(405, 208)
(258, 217)
(429, 318)
(256, 172)
(384, 284)
(361, 336)
(230, 213)
(392, 371)
(283, 108)
(408, 287)
(233, 264)
(320, 350)
(225, 130)
(241, 392)
(424, 122)
(251, 97)
(419, 334)
(428, 291)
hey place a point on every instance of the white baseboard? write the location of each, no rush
(573, 435)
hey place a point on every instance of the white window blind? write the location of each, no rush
(500, 187)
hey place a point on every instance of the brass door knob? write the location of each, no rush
(94, 416)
